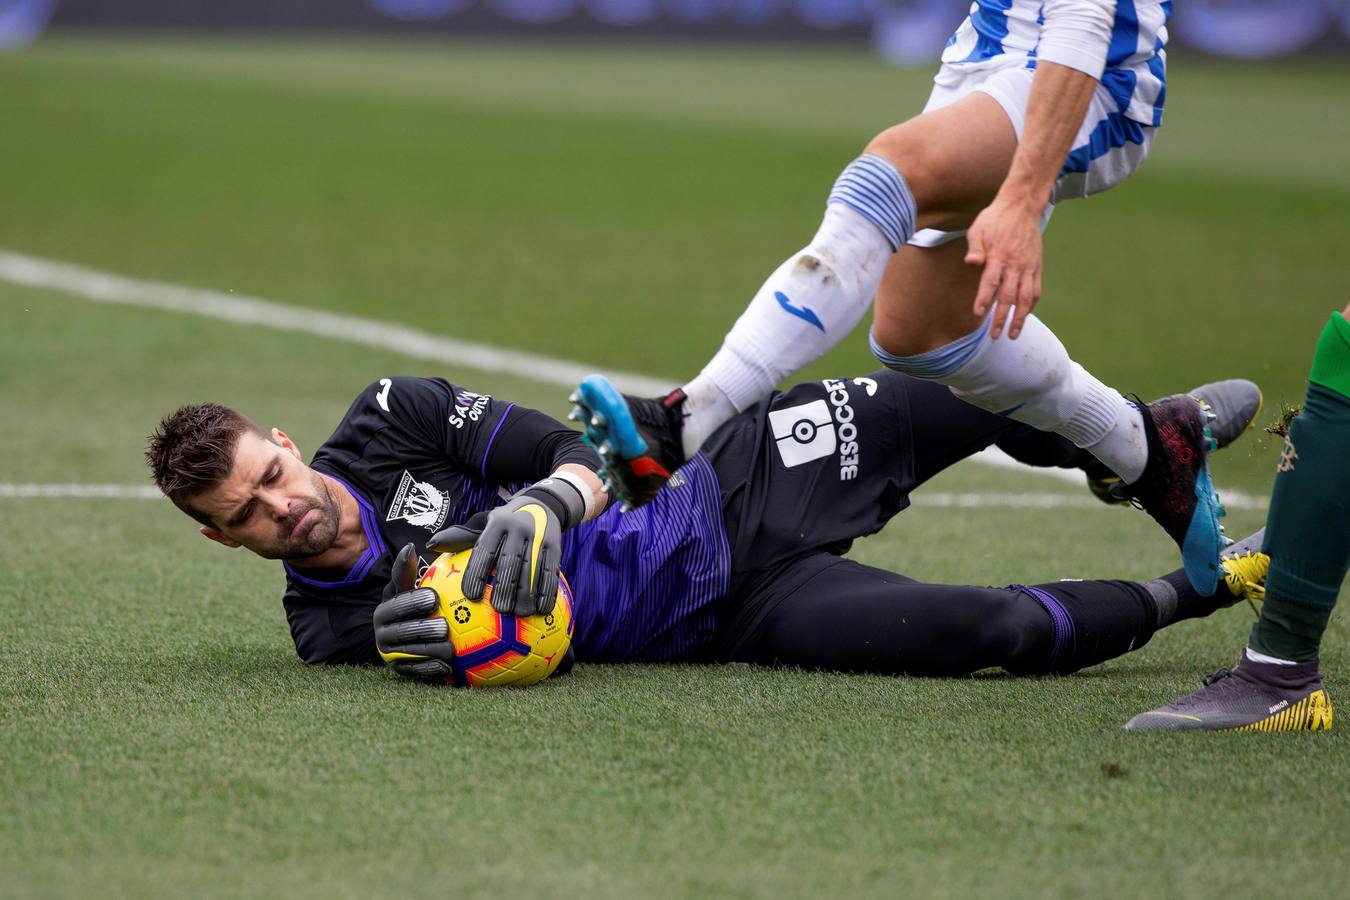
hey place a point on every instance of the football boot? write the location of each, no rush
(1176, 488)
(1253, 696)
(1236, 403)
(1244, 570)
(638, 439)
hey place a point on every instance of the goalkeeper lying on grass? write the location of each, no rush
(738, 558)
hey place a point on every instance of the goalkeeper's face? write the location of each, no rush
(271, 502)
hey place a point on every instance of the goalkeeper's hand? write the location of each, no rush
(522, 541)
(409, 642)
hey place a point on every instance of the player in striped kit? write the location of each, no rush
(739, 557)
(1034, 103)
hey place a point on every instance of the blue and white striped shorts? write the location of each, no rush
(1107, 150)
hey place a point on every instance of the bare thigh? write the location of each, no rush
(926, 299)
(954, 160)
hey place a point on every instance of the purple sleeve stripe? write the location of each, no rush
(505, 413)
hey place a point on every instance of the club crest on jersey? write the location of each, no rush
(418, 503)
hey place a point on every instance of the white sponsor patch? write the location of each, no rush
(803, 433)
(847, 432)
(418, 503)
(468, 408)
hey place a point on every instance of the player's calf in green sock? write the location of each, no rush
(1307, 529)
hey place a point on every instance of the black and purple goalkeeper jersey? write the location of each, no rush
(420, 455)
(645, 580)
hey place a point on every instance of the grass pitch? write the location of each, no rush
(616, 206)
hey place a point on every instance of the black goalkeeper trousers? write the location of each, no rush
(832, 461)
(821, 611)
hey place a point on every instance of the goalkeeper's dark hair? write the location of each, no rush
(193, 451)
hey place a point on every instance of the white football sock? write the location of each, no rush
(811, 301)
(1033, 380)
(1271, 660)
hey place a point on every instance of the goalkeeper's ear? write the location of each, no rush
(211, 534)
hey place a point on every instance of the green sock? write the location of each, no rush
(1308, 527)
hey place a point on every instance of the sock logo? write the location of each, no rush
(1287, 456)
(803, 433)
(804, 313)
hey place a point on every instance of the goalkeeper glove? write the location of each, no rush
(409, 642)
(522, 541)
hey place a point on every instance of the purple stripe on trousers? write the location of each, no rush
(1059, 617)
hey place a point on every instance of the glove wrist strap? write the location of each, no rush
(562, 497)
(591, 508)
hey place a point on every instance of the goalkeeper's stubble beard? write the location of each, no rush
(313, 537)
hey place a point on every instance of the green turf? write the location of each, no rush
(159, 737)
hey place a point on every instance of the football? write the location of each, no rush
(491, 648)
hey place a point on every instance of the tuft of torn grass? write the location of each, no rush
(1280, 427)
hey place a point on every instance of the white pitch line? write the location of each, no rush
(106, 287)
(80, 491)
(1000, 460)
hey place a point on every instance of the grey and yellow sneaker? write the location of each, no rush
(1253, 696)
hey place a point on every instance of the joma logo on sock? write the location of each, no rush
(1287, 456)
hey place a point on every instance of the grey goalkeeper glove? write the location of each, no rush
(411, 644)
(522, 541)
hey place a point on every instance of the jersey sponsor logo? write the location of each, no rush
(418, 503)
(848, 431)
(814, 430)
(382, 397)
(804, 433)
(468, 408)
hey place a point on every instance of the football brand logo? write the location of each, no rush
(805, 313)
(804, 433)
(418, 503)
